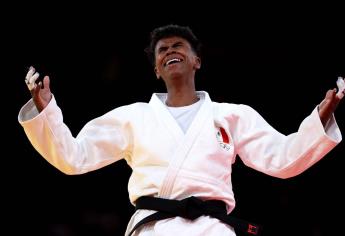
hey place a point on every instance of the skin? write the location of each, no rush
(179, 78)
(41, 94)
(328, 105)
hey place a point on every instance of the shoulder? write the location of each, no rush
(134, 107)
(232, 108)
(134, 110)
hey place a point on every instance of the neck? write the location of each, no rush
(181, 90)
(181, 97)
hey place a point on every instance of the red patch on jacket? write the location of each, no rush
(225, 137)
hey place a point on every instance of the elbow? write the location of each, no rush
(67, 169)
(286, 173)
(68, 172)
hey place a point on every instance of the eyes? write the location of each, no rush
(163, 49)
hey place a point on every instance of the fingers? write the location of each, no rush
(30, 73)
(45, 85)
(331, 93)
(341, 87)
(31, 78)
(36, 90)
(46, 82)
(330, 99)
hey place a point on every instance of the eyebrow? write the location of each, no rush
(174, 44)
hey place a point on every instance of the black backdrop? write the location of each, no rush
(281, 62)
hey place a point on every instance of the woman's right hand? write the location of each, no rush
(40, 92)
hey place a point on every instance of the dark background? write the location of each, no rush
(280, 60)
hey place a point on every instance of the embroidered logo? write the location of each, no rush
(223, 139)
(252, 229)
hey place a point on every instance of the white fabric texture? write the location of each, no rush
(185, 115)
(169, 163)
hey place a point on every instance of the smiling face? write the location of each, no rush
(174, 57)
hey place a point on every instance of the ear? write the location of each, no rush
(197, 63)
(157, 73)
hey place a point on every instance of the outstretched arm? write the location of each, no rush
(102, 141)
(40, 92)
(331, 101)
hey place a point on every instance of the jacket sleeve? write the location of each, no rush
(101, 141)
(263, 148)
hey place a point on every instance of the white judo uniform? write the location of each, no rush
(170, 163)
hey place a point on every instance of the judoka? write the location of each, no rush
(180, 145)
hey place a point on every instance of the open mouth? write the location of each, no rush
(172, 61)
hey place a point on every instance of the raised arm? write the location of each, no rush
(40, 92)
(331, 101)
(101, 141)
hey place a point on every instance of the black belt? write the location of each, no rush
(191, 208)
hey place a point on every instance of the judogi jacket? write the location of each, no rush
(169, 163)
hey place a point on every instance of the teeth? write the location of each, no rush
(172, 60)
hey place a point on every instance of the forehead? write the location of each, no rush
(170, 40)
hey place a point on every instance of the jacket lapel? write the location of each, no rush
(185, 141)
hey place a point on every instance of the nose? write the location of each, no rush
(170, 50)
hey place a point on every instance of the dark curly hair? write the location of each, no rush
(172, 30)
